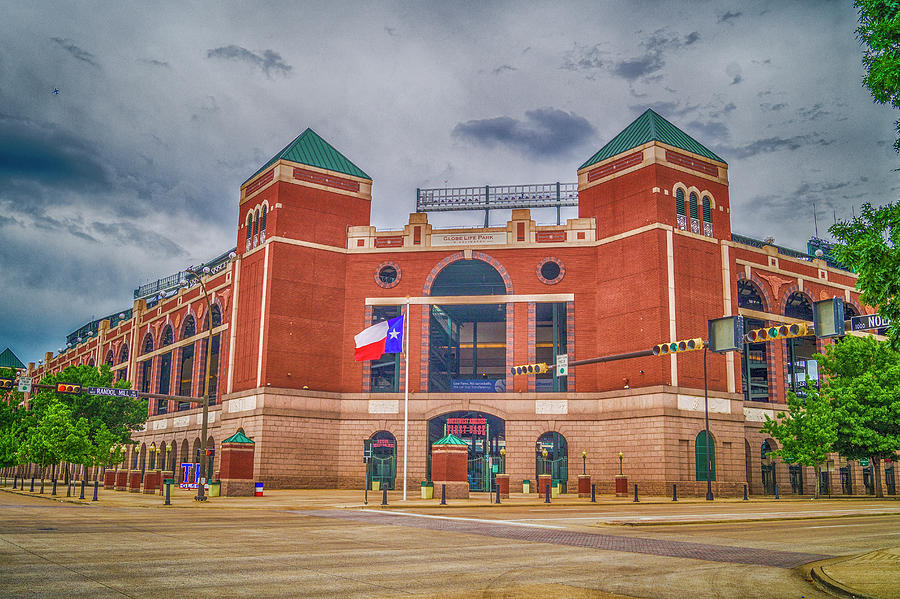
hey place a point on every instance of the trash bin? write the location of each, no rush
(526, 486)
(215, 487)
(376, 485)
(259, 490)
(427, 490)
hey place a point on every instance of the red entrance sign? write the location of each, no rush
(467, 426)
(383, 443)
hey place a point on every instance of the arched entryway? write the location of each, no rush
(551, 456)
(485, 434)
(768, 466)
(382, 467)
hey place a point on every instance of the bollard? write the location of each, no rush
(674, 492)
(547, 494)
(15, 480)
(96, 486)
(54, 487)
(636, 500)
(776, 490)
(384, 496)
(82, 489)
(745, 493)
(32, 485)
(593, 493)
(168, 495)
(443, 494)
(498, 493)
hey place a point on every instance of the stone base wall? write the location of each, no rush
(237, 488)
(454, 489)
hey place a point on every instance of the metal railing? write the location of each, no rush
(497, 197)
(172, 282)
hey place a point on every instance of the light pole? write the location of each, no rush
(584, 463)
(205, 418)
(621, 455)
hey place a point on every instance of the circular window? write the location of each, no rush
(387, 275)
(550, 270)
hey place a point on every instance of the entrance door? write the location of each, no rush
(485, 436)
(846, 482)
(869, 480)
(796, 471)
(383, 464)
(889, 481)
(768, 468)
(824, 483)
(556, 461)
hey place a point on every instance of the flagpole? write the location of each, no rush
(406, 397)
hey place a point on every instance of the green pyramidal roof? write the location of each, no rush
(450, 439)
(10, 360)
(239, 437)
(310, 149)
(649, 127)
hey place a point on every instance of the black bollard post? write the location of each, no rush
(674, 492)
(745, 493)
(443, 494)
(776, 491)
(384, 496)
(498, 493)
(82, 489)
(547, 493)
(168, 495)
(32, 484)
(593, 493)
(96, 486)
(54, 487)
(16, 480)
(636, 500)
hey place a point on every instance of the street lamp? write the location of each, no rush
(621, 455)
(544, 460)
(205, 418)
(584, 463)
(503, 460)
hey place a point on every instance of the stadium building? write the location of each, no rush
(650, 258)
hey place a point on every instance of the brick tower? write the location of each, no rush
(290, 294)
(660, 200)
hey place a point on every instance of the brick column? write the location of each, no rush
(449, 467)
(236, 466)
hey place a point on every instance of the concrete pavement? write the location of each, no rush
(867, 574)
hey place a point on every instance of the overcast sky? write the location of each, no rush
(132, 171)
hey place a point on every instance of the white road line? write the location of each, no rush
(843, 525)
(485, 521)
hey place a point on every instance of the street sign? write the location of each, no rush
(562, 364)
(868, 321)
(864, 462)
(726, 334)
(25, 384)
(110, 392)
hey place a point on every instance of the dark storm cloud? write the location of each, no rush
(45, 154)
(643, 66)
(127, 233)
(76, 52)
(771, 144)
(692, 37)
(545, 132)
(502, 68)
(269, 61)
(712, 132)
(582, 58)
(728, 16)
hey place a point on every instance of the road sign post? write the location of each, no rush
(562, 365)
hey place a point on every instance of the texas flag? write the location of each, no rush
(383, 338)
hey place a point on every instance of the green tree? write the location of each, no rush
(862, 382)
(870, 245)
(53, 436)
(807, 432)
(879, 30)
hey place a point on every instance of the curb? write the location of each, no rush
(830, 585)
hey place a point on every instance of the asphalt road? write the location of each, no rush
(50, 549)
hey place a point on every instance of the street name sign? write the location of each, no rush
(868, 321)
(562, 364)
(110, 392)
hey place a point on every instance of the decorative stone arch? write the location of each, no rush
(181, 325)
(761, 287)
(855, 305)
(712, 199)
(700, 452)
(791, 290)
(455, 257)
(123, 353)
(202, 313)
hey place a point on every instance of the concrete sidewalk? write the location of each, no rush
(874, 574)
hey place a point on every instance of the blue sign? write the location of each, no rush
(478, 385)
(110, 392)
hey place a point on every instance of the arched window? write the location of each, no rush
(695, 213)
(91, 362)
(256, 223)
(110, 357)
(189, 328)
(700, 456)
(754, 358)
(552, 456)
(707, 216)
(262, 225)
(249, 226)
(168, 337)
(382, 466)
(216, 318)
(123, 355)
(680, 214)
(148, 343)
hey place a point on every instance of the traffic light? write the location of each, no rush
(784, 331)
(68, 388)
(676, 347)
(530, 369)
(7, 384)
